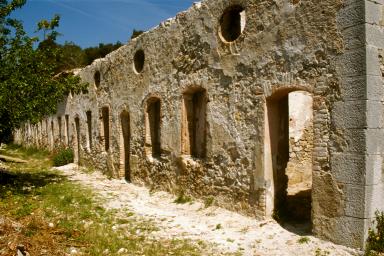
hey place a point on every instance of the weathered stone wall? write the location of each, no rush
(374, 99)
(299, 167)
(329, 48)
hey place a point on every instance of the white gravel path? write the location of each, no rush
(194, 221)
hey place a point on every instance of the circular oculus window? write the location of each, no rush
(138, 61)
(232, 23)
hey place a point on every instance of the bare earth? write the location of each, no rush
(194, 221)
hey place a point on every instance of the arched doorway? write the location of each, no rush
(153, 127)
(288, 155)
(105, 127)
(194, 123)
(125, 144)
(77, 140)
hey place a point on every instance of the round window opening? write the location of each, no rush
(96, 77)
(138, 61)
(232, 23)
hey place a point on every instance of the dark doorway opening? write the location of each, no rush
(126, 140)
(153, 127)
(290, 127)
(60, 128)
(52, 135)
(67, 129)
(194, 126)
(77, 140)
(89, 125)
(105, 118)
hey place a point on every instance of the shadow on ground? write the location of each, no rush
(24, 182)
(295, 213)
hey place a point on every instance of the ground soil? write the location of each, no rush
(225, 230)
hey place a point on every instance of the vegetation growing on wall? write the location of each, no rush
(375, 241)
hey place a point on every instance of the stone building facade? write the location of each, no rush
(199, 104)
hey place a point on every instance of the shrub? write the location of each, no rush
(62, 157)
(182, 199)
(208, 201)
(375, 240)
(303, 240)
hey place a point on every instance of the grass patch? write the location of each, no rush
(38, 160)
(218, 226)
(303, 240)
(25, 153)
(183, 199)
(53, 215)
(319, 252)
(208, 201)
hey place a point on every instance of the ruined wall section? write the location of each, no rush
(278, 50)
(285, 46)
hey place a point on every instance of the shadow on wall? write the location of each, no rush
(290, 138)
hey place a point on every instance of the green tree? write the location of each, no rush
(136, 33)
(72, 56)
(48, 27)
(29, 87)
(100, 51)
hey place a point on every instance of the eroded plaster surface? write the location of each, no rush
(331, 49)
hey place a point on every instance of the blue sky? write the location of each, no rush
(90, 22)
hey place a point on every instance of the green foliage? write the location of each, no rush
(46, 26)
(92, 53)
(303, 240)
(24, 210)
(375, 240)
(136, 33)
(182, 199)
(208, 201)
(29, 87)
(62, 157)
(72, 56)
(40, 197)
(14, 150)
(6, 8)
(320, 252)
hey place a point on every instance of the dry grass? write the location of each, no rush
(50, 215)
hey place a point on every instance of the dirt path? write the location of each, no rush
(229, 231)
